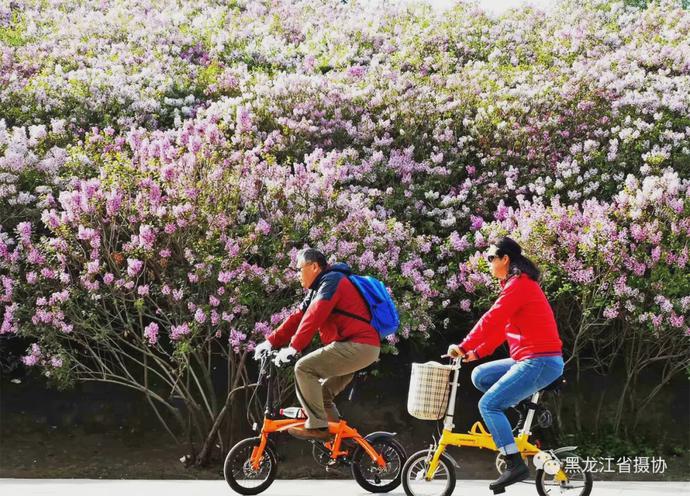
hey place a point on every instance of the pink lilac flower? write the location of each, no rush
(262, 328)
(611, 312)
(35, 257)
(263, 227)
(147, 236)
(92, 267)
(8, 324)
(356, 71)
(134, 266)
(458, 243)
(179, 332)
(30, 360)
(476, 222)
(24, 230)
(200, 316)
(151, 333)
(33, 357)
(236, 338)
(59, 297)
(676, 320)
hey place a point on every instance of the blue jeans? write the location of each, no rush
(505, 383)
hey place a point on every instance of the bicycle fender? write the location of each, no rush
(450, 457)
(379, 435)
(564, 448)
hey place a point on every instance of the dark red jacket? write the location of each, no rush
(331, 290)
(522, 315)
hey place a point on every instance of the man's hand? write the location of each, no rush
(284, 355)
(454, 351)
(261, 349)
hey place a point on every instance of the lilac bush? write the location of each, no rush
(160, 167)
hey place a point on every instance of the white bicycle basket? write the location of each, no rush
(429, 387)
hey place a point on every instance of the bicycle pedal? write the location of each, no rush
(335, 466)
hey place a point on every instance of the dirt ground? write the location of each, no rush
(33, 451)
(98, 432)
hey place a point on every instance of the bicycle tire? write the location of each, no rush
(360, 456)
(586, 490)
(445, 463)
(236, 454)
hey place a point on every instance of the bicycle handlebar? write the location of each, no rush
(271, 354)
(457, 361)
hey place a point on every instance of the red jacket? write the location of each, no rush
(523, 316)
(330, 292)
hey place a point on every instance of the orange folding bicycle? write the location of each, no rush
(376, 460)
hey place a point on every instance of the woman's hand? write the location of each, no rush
(454, 351)
(470, 356)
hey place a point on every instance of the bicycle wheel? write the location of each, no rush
(414, 476)
(578, 483)
(373, 478)
(238, 470)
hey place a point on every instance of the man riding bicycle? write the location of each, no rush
(335, 308)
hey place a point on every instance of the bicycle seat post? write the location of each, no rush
(530, 415)
(448, 424)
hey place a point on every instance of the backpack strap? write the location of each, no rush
(347, 274)
(351, 315)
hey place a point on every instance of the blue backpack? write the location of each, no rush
(384, 315)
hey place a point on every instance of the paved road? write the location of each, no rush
(85, 487)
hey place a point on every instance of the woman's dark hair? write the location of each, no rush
(518, 262)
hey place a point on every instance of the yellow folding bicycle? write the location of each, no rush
(431, 472)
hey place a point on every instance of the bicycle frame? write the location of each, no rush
(478, 436)
(273, 423)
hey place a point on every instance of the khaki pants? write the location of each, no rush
(336, 363)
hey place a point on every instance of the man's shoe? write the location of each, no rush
(311, 434)
(515, 471)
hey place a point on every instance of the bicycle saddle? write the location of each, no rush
(555, 385)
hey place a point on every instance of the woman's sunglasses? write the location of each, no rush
(490, 258)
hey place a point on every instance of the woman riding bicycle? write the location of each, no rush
(522, 316)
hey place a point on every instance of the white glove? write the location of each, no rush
(284, 355)
(454, 351)
(261, 349)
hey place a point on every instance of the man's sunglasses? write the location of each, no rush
(490, 258)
